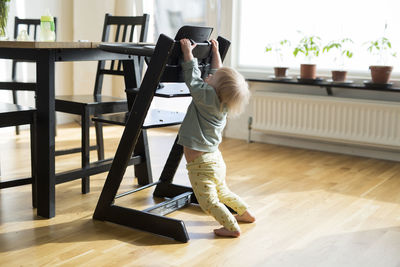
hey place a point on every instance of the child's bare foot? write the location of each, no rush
(246, 217)
(225, 232)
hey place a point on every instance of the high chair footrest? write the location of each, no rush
(172, 90)
(170, 205)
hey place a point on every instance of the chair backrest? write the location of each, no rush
(125, 28)
(200, 35)
(197, 34)
(30, 25)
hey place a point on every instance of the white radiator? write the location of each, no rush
(329, 118)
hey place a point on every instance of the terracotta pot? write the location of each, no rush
(380, 74)
(280, 72)
(339, 75)
(308, 71)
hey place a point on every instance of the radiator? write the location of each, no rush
(328, 118)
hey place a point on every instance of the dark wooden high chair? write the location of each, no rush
(32, 27)
(87, 106)
(163, 66)
(13, 115)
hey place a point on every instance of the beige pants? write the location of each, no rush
(207, 176)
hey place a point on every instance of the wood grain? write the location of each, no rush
(313, 209)
(29, 44)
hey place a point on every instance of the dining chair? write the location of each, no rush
(87, 106)
(13, 115)
(32, 27)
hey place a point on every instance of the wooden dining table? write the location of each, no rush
(45, 55)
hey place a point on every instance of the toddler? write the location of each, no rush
(201, 132)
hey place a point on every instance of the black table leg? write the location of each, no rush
(45, 133)
(85, 153)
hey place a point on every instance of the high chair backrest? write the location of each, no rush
(199, 35)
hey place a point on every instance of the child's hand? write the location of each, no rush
(215, 46)
(187, 47)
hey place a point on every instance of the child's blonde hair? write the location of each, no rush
(232, 90)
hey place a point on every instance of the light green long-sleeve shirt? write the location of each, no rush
(202, 126)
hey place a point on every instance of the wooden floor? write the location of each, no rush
(312, 208)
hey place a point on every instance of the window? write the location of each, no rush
(168, 16)
(263, 22)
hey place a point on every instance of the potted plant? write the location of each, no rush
(342, 51)
(382, 48)
(279, 49)
(4, 8)
(309, 46)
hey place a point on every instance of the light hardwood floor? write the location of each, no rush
(312, 209)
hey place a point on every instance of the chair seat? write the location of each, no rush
(172, 90)
(75, 104)
(90, 99)
(12, 114)
(155, 118)
(126, 48)
(165, 90)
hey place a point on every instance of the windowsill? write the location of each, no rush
(313, 89)
(262, 73)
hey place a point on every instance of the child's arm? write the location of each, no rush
(187, 47)
(191, 72)
(200, 91)
(216, 61)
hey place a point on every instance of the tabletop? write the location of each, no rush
(57, 44)
(32, 44)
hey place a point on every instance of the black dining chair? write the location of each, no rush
(13, 115)
(32, 26)
(86, 106)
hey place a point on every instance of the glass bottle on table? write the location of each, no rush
(47, 28)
